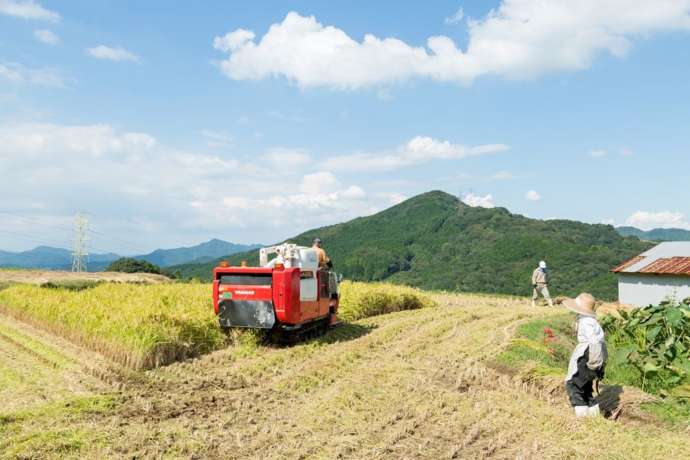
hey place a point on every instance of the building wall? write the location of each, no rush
(643, 290)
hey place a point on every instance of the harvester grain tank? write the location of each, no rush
(289, 295)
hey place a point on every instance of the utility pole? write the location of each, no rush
(80, 249)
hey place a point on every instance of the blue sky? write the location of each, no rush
(168, 125)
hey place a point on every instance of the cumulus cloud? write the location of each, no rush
(46, 36)
(664, 219)
(156, 195)
(486, 201)
(518, 39)
(117, 54)
(533, 195)
(27, 9)
(19, 74)
(456, 17)
(420, 149)
(39, 140)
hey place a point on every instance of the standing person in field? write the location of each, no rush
(324, 261)
(540, 282)
(588, 360)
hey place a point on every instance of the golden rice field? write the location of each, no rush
(144, 326)
(362, 300)
(139, 326)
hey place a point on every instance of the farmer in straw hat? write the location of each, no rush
(588, 359)
(540, 281)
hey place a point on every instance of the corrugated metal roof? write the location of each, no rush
(665, 258)
(669, 266)
(627, 264)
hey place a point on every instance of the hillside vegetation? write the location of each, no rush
(434, 241)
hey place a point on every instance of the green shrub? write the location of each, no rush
(656, 341)
(130, 265)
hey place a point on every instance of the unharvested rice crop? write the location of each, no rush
(144, 326)
(361, 300)
(138, 326)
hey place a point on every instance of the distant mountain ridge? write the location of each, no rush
(435, 241)
(209, 250)
(657, 234)
(50, 258)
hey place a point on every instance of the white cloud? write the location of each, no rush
(396, 198)
(626, 152)
(665, 219)
(598, 153)
(155, 195)
(532, 195)
(117, 54)
(456, 17)
(420, 149)
(217, 139)
(39, 140)
(281, 158)
(27, 9)
(518, 39)
(19, 74)
(486, 201)
(318, 182)
(46, 36)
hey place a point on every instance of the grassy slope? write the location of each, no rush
(433, 241)
(533, 353)
(414, 384)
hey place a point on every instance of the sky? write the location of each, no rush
(167, 125)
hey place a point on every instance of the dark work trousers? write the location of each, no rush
(580, 387)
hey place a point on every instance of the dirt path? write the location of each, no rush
(57, 276)
(409, 385)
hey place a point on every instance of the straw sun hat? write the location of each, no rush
(582, 304)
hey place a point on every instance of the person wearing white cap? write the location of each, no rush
(588, 360)
(540, 284)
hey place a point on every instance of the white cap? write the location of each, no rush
(542, 264)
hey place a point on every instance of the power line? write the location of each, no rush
(120, 241)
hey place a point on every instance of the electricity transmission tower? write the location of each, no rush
(80, 250)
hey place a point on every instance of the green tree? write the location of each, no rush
(130, 265)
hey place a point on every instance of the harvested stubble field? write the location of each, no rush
(412, 384)
(41, 277)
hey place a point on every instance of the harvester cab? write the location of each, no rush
(288, 294)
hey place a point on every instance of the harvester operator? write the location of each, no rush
(540, 282)
(324, 261)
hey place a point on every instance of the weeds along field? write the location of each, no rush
(145, 326)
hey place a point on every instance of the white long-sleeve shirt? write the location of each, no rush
(589, 335)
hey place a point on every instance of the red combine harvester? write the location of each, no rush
(290, 295)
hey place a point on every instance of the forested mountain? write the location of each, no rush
(657, 234)
(435, 241)
(209, 250)
(46, 257)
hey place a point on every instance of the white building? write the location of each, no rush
(661, 273)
